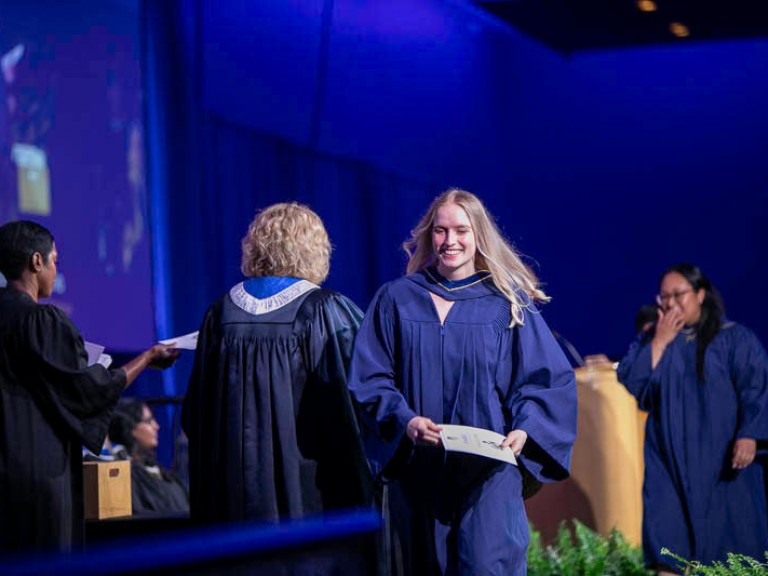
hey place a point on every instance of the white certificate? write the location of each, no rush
(476, 441)
(96, 355)
(94, 351)
(186, 342)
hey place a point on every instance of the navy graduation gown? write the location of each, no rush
(472, 370)
(271, 428)
(51, 404)
(694, 503)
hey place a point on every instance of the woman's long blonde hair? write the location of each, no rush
(508, 272)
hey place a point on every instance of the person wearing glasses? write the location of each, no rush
(154, 490)
(704, 382)
(460, 340)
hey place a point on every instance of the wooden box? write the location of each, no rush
(107, 489)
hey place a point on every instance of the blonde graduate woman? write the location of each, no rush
(459, 340)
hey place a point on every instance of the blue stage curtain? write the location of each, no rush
(209, 177)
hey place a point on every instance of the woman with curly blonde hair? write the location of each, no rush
(272, 433)
(459, 341)
(287, 239)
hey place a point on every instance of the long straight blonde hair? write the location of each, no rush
(508, 271)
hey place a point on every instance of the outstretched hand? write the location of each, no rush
(515, 440)
(159, 356)
(423, 431)
(163, 356)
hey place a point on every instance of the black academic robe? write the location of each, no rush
(156, 491)
(51, 403)
(271, 428)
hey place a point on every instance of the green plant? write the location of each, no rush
(735, 565)
(582, 552)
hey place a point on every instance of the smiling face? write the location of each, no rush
(676, 292)
(453, 242)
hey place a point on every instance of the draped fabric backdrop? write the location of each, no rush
(209, 177)
(605, 166)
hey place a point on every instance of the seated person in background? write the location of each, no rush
(153, 489)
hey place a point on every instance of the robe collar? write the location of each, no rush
(691, 331)
(268, 293)
(476, 286)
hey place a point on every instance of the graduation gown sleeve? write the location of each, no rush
(542, 399)
(327, 429)
(79, 396)
(748, 366)
(384, 411)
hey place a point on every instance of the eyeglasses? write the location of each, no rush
(148, 420)
(662, 299)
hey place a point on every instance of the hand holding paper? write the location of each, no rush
(477, 441)
(422, 430)
(185, 342)
(515, 440)
(163, 356)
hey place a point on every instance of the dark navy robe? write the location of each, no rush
(51, 404)
(156, 491)
(459, 513)
(271, 428)
(694, 503)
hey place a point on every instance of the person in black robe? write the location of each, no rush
(271, 427)
(460, 341)
(51, 402)
(154, 490)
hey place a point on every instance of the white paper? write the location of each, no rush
(94, 352)
(186, 342)
(105, 360)
(476, 441)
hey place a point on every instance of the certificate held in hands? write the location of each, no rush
(477, 441)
